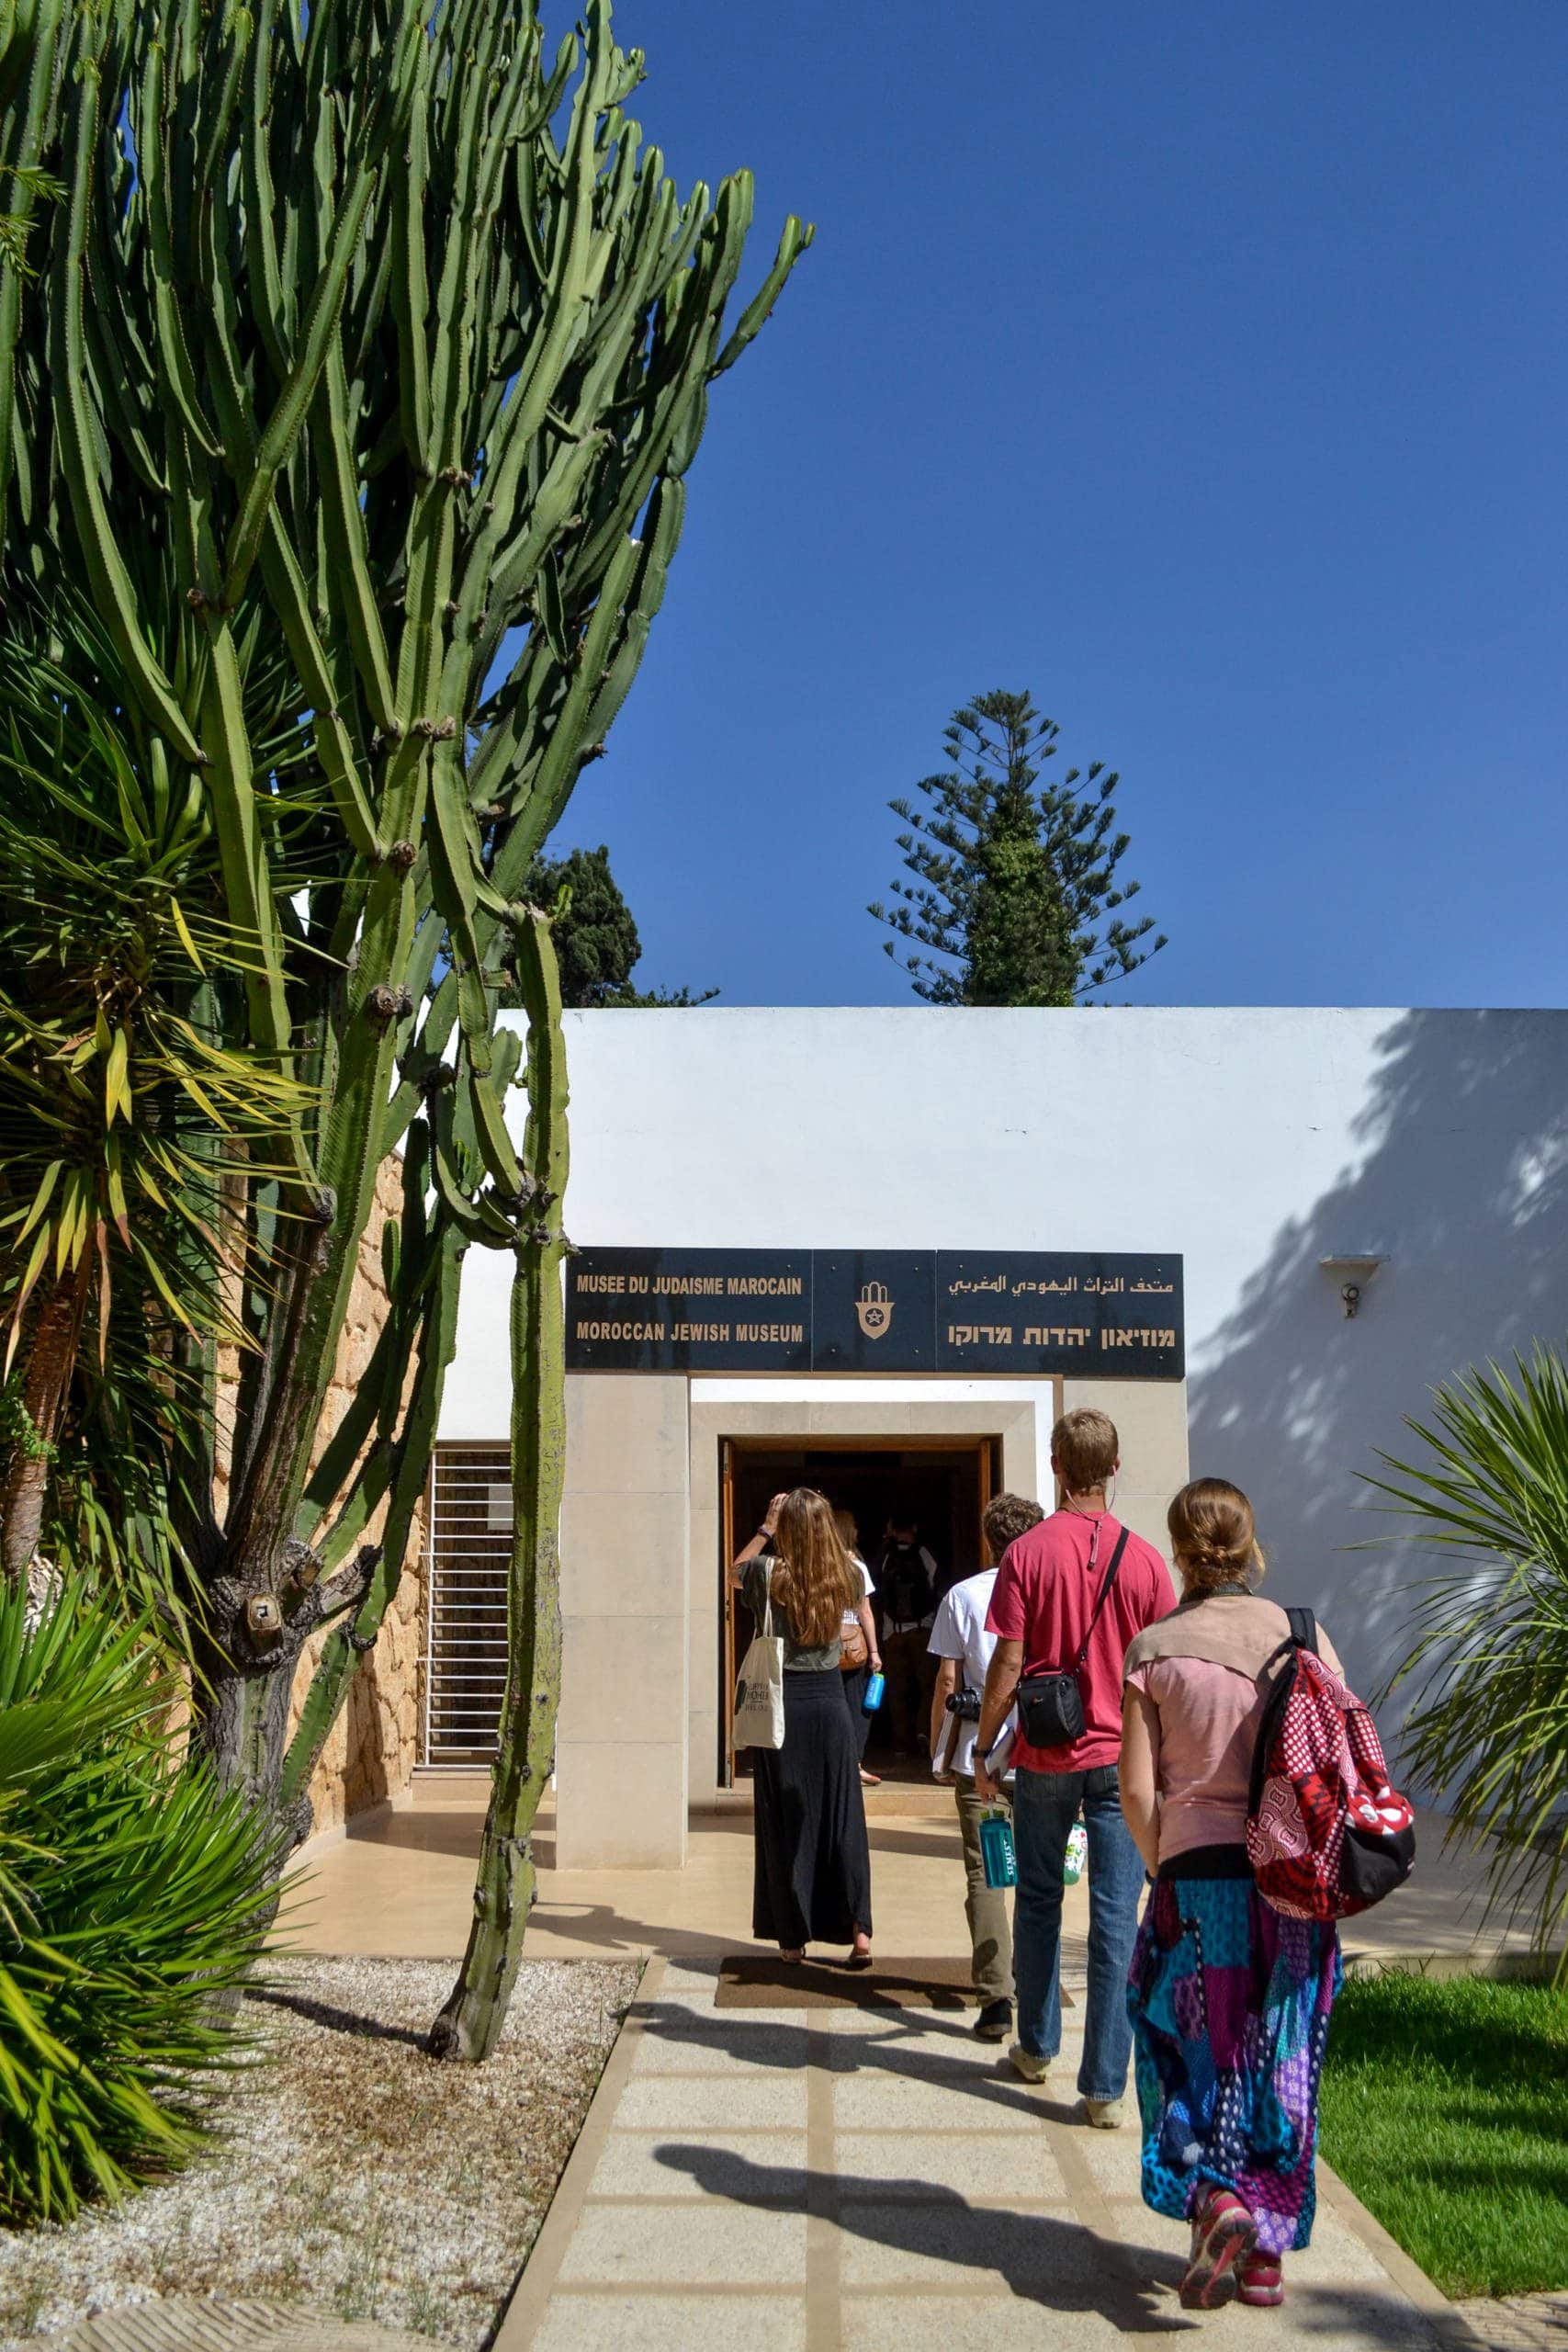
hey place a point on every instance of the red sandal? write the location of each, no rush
(1260, 2281)
(1224, 2237)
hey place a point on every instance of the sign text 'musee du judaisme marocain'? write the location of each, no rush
(1029, 1311)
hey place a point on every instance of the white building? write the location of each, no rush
(1261, 1151)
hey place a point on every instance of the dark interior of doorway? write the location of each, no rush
(943, 1487)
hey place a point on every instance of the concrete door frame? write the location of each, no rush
(638, 1748)
(1011, 1421)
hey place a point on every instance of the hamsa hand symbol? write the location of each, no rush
(875, 1310)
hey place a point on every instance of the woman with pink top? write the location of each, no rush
(1229, 1999)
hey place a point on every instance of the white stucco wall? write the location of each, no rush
(1253, 1142)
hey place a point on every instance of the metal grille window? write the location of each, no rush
(466, 1642)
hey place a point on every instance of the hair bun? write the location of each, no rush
(1212, 1533)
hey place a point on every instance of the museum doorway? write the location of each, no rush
(942, 1484)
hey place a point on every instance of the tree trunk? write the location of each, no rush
(50, 1359)
(470, 2026)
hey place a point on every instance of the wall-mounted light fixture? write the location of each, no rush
(1355, 1270)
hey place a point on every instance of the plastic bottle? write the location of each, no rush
(873, 1691)
(1078, 1854)
(997, 1854)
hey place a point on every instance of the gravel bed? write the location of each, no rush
(348, 2171)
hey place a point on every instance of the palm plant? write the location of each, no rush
(1488, 1670)
(122, 1108)
(133, 1897)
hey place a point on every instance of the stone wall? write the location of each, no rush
(373, 1744)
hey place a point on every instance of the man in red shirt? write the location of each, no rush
(1050, 1618)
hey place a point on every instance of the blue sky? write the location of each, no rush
(1201, 368)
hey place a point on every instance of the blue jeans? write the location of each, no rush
(1044, 1807)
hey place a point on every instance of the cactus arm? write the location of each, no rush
(471, 2022)
(568, 274)
(79, 451)
(796, 237)
(411, 298)
(272, 320)
(568, 743)
(247, 882)
(345, 540)
(286, 422)
(334, 746)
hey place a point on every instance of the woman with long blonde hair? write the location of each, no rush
(813, 1862)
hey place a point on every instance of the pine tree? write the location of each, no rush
(595, 935)
(1015, 895)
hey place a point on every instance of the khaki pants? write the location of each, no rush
(985, 1907)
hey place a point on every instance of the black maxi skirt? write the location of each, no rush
(813, 1863)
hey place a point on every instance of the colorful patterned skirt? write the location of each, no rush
(1230, 2003)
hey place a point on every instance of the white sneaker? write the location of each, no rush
(1105, 2114)
(1025, 2065)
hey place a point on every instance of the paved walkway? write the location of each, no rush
(835, 2179)
(792, 2180)
(400, 1886)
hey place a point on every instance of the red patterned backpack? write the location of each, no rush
(1326, 1836)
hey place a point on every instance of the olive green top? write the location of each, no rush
(755, 1579)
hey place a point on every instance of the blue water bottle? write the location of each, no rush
(997, 1854)
(873, 1691)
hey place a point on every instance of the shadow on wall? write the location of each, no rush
(1462, 1178)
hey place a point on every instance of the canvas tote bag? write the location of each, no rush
(759, 1694)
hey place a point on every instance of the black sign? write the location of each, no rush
(1029, 1311)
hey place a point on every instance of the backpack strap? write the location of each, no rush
(1104, 1597)
(1304, 1629)
(1301, 1635)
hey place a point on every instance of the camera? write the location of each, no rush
(964, 1704)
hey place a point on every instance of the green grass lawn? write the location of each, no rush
(1444, 2106)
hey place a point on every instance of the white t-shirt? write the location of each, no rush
(856, 1562)
(960, 1632)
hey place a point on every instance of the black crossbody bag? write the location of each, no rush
(1050, 1706)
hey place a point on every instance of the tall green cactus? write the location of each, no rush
(366, 356)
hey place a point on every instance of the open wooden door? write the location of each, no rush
(990, 1481)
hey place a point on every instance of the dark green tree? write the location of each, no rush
(596, 934)
(1015, 897)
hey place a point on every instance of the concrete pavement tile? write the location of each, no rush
(1112, 2158)
(932, 2025)
(1327, 2319)
(957, 2244)
(696, 2244)
(1001, 2322)
(878, 2099)
(970, 2166)
(953, 2078)
(635, 2164)
(688, 1980)
(727, 2102)
(675, 2322)
(1336, 2257)
(684, 2044)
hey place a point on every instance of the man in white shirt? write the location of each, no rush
(962, 1648)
